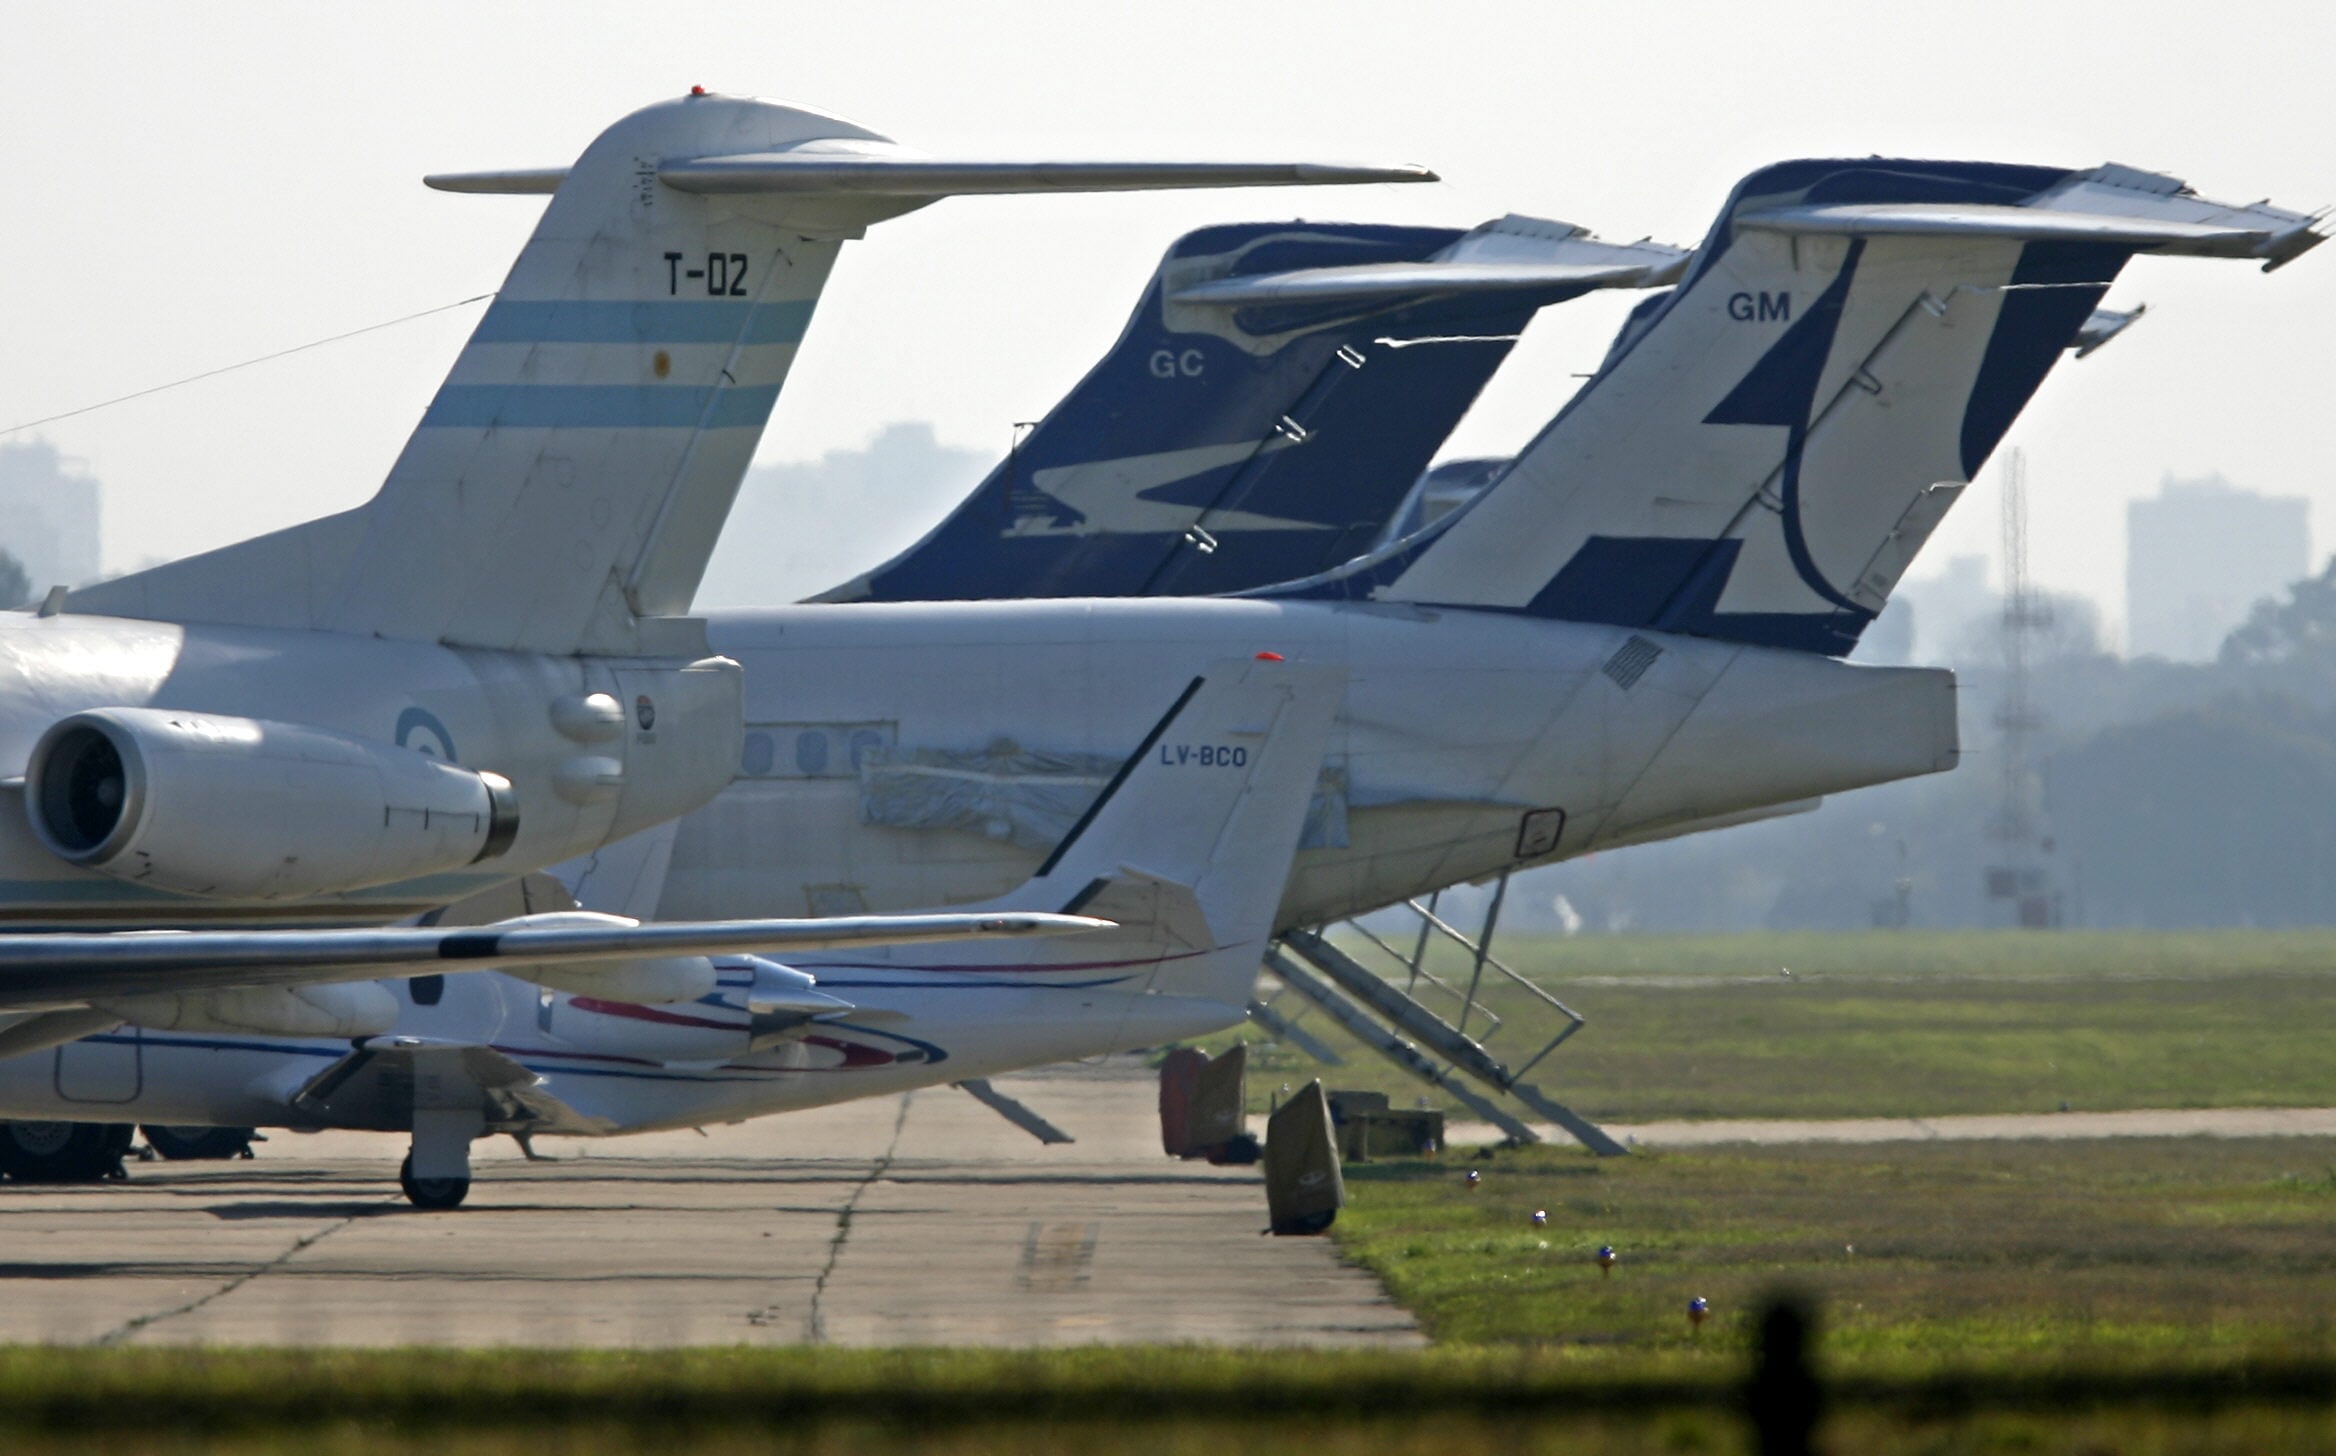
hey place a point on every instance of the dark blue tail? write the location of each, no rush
(1220, 447)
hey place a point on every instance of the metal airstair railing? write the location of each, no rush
(1353, 991)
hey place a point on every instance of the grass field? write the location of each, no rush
(1171, 1400)
(1989, 1254)
(1900, 1024)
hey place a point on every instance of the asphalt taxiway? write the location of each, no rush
(917, 1220)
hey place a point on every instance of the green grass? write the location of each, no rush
(257, 1402)
(1923, 1256)
(1899, 1024)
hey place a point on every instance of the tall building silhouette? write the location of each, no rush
(2198, 555)
(1948, 608)
(48, 515)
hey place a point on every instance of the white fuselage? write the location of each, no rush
(1458, 734)
(623, 1069)
(1460, 731)
(485, 710)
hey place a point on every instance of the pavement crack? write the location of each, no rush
(146, 1321)
(815, 1322)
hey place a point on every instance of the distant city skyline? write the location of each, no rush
(50, 515)
(800, 527)
(2199, 555)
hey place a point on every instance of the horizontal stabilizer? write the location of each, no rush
(1510, 254)
(44, 971)
(2123, 206)
(1370, 281)
(906, 174)
(1977, 220)
(1138, 900)
(519, 182)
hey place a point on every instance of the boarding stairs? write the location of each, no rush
(1439, 1029)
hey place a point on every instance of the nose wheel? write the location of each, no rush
(431, 1193)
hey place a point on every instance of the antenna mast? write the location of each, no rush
(2019, 879)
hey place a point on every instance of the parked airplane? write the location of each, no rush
(1632, 635)
(486, 668)
(1784, 429)
(1274, 395)
(1189, 426)
(1186, 850)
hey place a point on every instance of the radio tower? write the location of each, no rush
(2019, 881)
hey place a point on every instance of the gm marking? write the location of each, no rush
(1204, 755)
(724, 274)
(1744, 308)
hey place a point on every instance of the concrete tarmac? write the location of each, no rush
(918, 1220)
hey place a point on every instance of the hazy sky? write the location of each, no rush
(198, 185)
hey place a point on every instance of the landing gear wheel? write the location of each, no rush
(63, 1152)
(199, 1144)
(432, 1193)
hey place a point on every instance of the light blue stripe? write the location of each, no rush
(599, 406)
(577, 321)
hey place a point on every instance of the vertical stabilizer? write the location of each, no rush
(1768, 445)
(1274, 395)
(573, 470)
(1190, 844)
(569, 479)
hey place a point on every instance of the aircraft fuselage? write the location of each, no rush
(613, 1070)
(1469, 742)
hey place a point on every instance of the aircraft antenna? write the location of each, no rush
(244, 364)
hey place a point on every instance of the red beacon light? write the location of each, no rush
(697, 90)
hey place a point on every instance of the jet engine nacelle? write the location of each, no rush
(240, 808)
(350, 1008)
(758, 1004)
(648, 981)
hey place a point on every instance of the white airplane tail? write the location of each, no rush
(1768, 445)
(568, 481)
(1188, 847)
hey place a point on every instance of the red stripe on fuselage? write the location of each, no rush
(634, 1011)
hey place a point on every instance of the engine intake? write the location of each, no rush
(245, 809)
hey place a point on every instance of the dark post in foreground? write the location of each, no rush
(1782, 1397)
